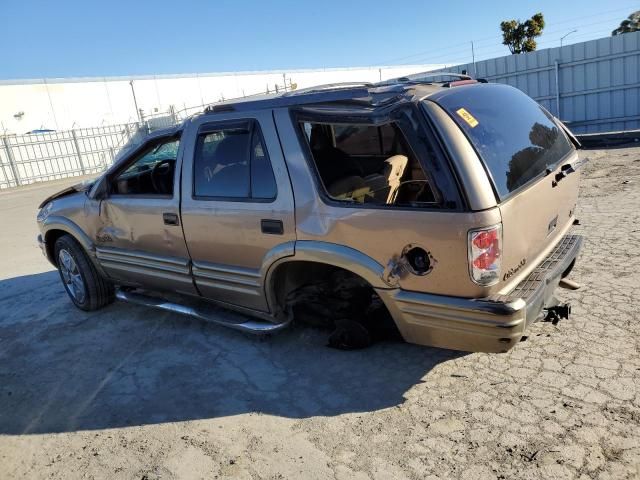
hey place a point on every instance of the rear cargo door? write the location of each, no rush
(530, 161)
(535, 219)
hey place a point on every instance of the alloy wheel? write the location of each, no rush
(71, 276)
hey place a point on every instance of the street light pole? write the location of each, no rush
(135, 102)
(565, 36)
(473, 56)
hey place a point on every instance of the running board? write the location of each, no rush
(211, 314)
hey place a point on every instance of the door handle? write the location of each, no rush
(170, 219)
(273, 227)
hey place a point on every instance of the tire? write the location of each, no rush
(86, 288)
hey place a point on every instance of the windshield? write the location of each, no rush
(515, 137)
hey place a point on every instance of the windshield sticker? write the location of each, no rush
(467, 117)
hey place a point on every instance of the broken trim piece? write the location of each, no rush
(233, 321)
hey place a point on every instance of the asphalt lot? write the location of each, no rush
(128, 392)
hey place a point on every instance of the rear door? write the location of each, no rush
(530, 161)
(237, 205)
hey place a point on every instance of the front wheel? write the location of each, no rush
(87, 289)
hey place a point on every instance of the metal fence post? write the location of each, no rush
(12, 162)
(75, 142)
(557, 71)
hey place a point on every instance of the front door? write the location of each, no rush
(140, 240)
(237, 206)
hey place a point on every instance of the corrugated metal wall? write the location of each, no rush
(599, 81)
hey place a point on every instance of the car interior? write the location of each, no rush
(368, 164)
(221, 164)
(151, 173)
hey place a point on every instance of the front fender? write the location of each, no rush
(54, 222)
(58, 223)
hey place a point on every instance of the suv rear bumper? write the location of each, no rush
(493, 324)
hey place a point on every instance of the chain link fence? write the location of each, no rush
(43, 156)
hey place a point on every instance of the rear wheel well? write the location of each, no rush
(292, 275)
(339, 293)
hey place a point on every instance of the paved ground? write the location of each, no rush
(132, 393)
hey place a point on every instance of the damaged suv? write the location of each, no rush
(440, 208)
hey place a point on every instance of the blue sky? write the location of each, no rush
(73, 38)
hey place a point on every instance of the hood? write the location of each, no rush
(79, 187)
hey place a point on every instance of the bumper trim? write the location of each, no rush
(554, 264)
(478, 312)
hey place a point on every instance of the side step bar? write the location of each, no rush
(212, 314)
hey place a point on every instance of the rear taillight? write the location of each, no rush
(485, 252)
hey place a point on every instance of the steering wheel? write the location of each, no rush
(159, 175)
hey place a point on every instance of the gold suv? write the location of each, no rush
(439, 208)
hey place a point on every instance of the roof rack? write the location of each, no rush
(458, 83)
(328, 87)
(418, 78)
(375, 94)
(230, 104)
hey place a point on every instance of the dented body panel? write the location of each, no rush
(415, 256)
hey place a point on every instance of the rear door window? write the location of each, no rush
(232, 163)
(515, 137)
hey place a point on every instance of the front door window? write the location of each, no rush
(152, 171)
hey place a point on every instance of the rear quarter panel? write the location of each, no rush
(383, 233)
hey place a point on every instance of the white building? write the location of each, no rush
(65, 103)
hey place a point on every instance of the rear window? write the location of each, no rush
(515, 137)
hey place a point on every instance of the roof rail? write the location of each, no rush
(458, 83)
(219, 107)
(417, 78)
(328, 86)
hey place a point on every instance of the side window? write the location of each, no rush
(232, 163)
(369, 164)
(222, 164)
(152, 171)
(263, 183)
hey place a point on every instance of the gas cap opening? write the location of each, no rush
(418, 260)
